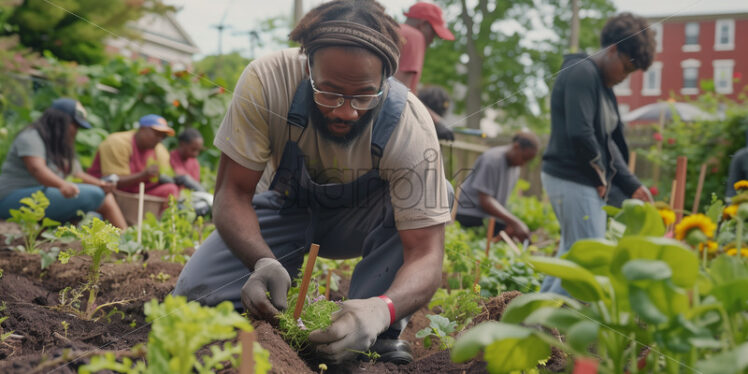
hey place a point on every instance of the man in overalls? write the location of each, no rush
(319, 145)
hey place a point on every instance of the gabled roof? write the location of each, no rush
(164, 29)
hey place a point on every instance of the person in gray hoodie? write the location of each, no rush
(587, 153)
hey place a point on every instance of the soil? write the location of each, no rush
(41, 344)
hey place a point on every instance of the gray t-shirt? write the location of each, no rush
(491, 175)
(14, 175)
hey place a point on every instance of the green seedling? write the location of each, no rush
(32, 220)
(65, 327)
(98, 241)
(459, 306)
(439, 328)
(179, 329)
(161, 277)
(316, 314)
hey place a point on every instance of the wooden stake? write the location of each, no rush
(141, 197)
(672, 194)
(632, 162)
(489, 234)
(680, 195)
(477, 273)
(699, 187)
(247, 338)
(327, 284)
(510, 242)
(456, 202)
(305, 280)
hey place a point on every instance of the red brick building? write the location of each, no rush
(693, 52)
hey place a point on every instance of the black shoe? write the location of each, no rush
(395, 351)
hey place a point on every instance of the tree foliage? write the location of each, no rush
(75, 30)
(506, 54)
(224, 70)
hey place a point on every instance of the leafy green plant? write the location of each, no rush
(316, 314)
(439, 328)
(510, 274)
(32, 220)
(179, 329)
(98, 241)
(459, 306)
(534, 213)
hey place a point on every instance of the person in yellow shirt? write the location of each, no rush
(135, 156)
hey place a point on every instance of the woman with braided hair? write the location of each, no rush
(320, 145)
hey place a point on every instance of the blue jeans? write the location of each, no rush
(580, 213)
(60, 208)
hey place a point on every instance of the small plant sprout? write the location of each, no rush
(161, 277)
(179, 329)
(65, 327)
(32, 220)
(98, 241)
(440, 328)
(322, 368)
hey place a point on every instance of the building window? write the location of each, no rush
(724, 35)
(723, 76)
(690, 76)
(657, 28)
(623, 88)
(692, 37)
(652, 78)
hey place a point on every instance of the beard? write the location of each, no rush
(320, 122)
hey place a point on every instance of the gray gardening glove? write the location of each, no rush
(354, 327)
(269, 276)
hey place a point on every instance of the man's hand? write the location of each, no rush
(600, 191)
(150, 172)
(519, 230)
(269, 276)
(108, 187)
(354, 328)
(642, 194)
(69, 190)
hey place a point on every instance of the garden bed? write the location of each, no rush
(42, 334)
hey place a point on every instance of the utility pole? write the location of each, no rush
(254, 39)
(220, 27)
(574, 40)
(298, 11)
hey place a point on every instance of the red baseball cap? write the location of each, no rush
(433, 14)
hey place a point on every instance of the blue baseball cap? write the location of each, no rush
(74, 109)
(157, 123)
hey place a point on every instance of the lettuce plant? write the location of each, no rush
(32, 220)
(179, 329)
(440, 328)
(98, 240)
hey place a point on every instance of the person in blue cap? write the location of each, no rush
(131, 157)
(42, 156)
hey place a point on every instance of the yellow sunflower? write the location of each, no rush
(695, 221)
(734, 252)
(741, 185)
(668, 216)
(730, 212)
(711, 247)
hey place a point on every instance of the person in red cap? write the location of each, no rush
(425, 21)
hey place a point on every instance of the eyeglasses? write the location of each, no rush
(335, 100)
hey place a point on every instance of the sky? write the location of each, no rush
(198, 16)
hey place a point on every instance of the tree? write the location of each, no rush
(223, 70)
(75, 30)
(498, 64)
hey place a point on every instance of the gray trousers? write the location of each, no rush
(213, 274)
(579, 210)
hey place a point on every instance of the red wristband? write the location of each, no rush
(390, 306)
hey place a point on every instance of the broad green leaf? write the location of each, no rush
(670, 251)
(582, 334)
(724, 269)
(641, 219)
(732, 362)
(561, 319)
(714, 212)
(508, 347)
(524, 305)
(611, 211)
(592, 254)
(644, 307)
(733, 295)
(636, 270)
(668, 298)
(576, 280)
